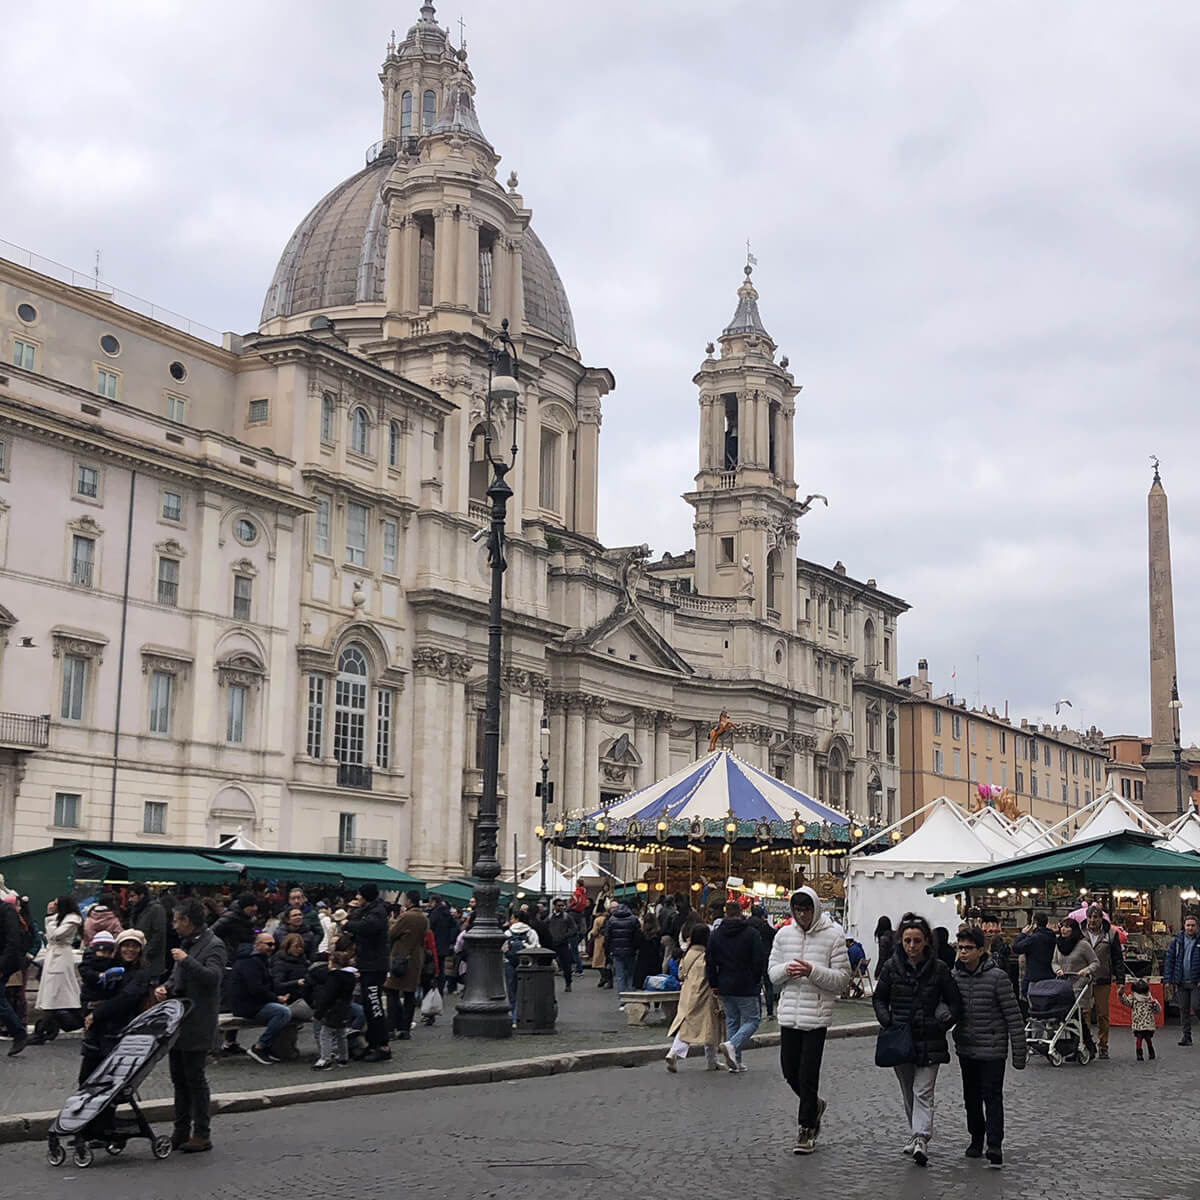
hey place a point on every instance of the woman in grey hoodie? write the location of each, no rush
(1074, 959)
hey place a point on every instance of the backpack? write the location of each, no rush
(515, 947)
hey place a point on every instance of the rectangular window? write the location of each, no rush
(327, 412)
(162, 684)
(937, 722)
(168, 581)
(485, 280)
(891, 739)
(356, 534)
(425, 265)
(176, 408)
(1020, 780)
(1064, 793)
(243, 590)
(3, 457)
(87, 481)
(1003, 742)
(83, 557)
(172, 506)
(1087, 796)
(1076, 795)
(1125, 788)
(1062, 760)
(956, 722)
(971, 732)
(383, 728)
(1046, 753)
(957, 764)
(938, 763)
(548, 468)
(1004, 774)
(390, 546)
(74, 685)
(727, 552)
(1033, 784)
(316, 716)
(24, 354)
(987, 766)
(235, 716)
(887, 654)
(258, 412)
(974, 776)
(987, 737)
(154, 816)
(1074, 764)
(321, 527)
(106, 383)
(1137, 790)
(66, 810)
(346, 832)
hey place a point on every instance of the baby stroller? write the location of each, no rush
(1055, 1025)
(89, 1117)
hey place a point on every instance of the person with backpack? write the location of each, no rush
(521, 937)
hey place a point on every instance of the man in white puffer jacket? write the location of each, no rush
(810, 969)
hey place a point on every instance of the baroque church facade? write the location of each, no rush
(242, 581)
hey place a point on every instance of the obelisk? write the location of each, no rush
(1160, 764)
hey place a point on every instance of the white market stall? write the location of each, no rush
(893, 881)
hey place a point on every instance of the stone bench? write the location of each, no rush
(650, 1008)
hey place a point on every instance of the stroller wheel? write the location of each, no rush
(56, 1153)
(161, 1146)
(114, 1148)
(83, 1156)
(1083, 1056)
(1056, 1058)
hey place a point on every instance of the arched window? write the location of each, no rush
(406, 115)
(869, 656)
(773, 575)
(393, 444)
(836, 767)
(327, 410)
(549, 470)
(350, 708)
(360, 431)
(428, 111)
(479, 474)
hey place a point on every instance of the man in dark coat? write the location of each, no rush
(148, 916)
(562, 929)
(252, 995)
(368, 926)
(445, 932)
(199, 967)
(621, 942)
(12, 958)
(989, 1023)
(757, 920)
(1036, 942)
(1181, 971)
(237, 925)
(736, 962)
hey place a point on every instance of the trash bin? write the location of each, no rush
(537, 1009)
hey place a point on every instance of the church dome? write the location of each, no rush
(337, 258)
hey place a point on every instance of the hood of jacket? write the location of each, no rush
(622, 910)
(821, 919)
(519, 927)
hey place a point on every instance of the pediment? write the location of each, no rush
(627, 637)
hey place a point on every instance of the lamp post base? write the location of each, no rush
(485, 1009)
(488, 1021)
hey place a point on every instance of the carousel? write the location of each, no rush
(718, 827)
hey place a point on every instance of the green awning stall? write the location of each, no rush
(1121, 860)
(299, 868)
(459, 891)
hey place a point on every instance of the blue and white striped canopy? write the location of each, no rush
(710, 787)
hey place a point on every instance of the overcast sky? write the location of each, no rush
(976, 227)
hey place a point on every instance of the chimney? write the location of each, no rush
(923, 670)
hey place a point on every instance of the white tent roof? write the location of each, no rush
(557, 879)
(1114, 814)
(1031, 836)
(1185, 834)
(943, 837)
(589, 869)
(995, 833)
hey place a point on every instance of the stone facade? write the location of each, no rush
(309, 665)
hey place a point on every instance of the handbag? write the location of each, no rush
(894, 1046)
(398, 967)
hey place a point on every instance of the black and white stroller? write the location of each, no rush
(89, 1118)
(1055, 1024)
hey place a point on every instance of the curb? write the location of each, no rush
(29, 1127)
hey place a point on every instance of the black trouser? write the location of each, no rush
(983, 1098)
(371, 992)
(400, 1011)
(800, 1052)
(565, 961)
(191, 1093)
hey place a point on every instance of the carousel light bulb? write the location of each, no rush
(895, 835)
(660, 887)
(558, 827)
(540, 832)
(662, 827)
(725, 848)
(731, 827)
(695, 887)
(857, 832)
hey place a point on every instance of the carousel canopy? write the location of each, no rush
(1119, 860)
(711, 787)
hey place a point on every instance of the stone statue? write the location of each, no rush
(747, 576)
(632, 568)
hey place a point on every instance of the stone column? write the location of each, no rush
(587, 454)
(432, 791)
(468, 260)
(662, 744)
(558, 751)
(411, 262)
(531, 439)
(394, 272)
(591, 752)
(516, 293)
(762, 422)
(572, 790)
(452, 847)
(445, 255)
(745, 429)
(501, 281)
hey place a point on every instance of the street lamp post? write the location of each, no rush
(1176, 705)
(484, 1009)
(545, 748)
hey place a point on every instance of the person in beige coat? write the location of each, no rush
(407, 935)
(599, 953)
(698, 1022)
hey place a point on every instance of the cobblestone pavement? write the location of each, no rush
(42, 1077)
(1116, 1128)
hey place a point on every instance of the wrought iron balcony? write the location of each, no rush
(354, 775)
(357, 847)
(24, 732)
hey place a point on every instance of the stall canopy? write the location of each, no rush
(894, 881)
(159, 866)
(317, 869)
(1122, 859)
(459, 891)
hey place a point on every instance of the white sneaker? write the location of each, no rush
(909, 1147)
(728, 1054)
(742, 1068)
(671, 1059)
(921, 1151)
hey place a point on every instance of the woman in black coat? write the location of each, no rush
(649, 951)
(915, 989)
(289, 966)
(885, 943)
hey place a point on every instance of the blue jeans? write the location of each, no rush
(9, 1018)
(275, 1017)
(741, 1020)
(623, 965)
(358, 1017)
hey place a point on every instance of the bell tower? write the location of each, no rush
(745, 496)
